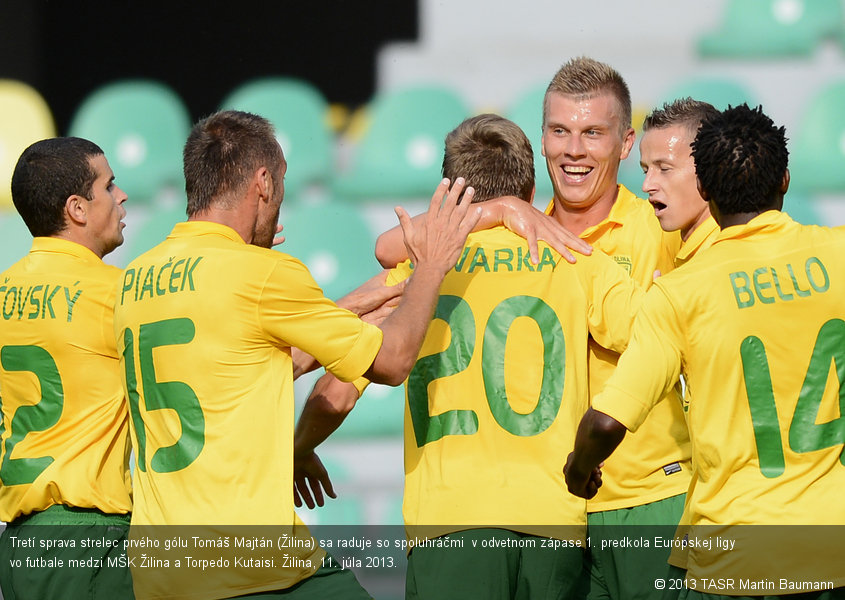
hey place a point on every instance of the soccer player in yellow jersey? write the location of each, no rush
(670, 182)
(64, 432)
(758, 324)
(205, 323)
(586, 133)
(500, 382)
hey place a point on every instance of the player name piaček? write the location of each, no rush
(148, 281)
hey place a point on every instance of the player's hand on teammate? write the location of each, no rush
(310, 479)
(279, 239)
(438, 241)
(532, 224)
(374, 300)
(582, 485)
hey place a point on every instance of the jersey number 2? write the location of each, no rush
(456, 358)
(34, 417)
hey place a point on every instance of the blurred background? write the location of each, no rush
(362, 94)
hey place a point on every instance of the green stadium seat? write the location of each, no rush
(718, 91)
(802, 208)
(401, 152)
(379, 412)
(334, 241)
(300, 115)
(772, 28)
(141, 126)
(17, 240)
(817, 152)
(527, 112)
(346, 509)
(155, 223)
(24, 118)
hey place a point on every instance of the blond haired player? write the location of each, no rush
(586, 133)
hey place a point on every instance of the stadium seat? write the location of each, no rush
(718, 91)
(141, 126)
(817, 152)
(24, 118)
(300, 114)
(400, 154)
(334, 241)
(380, 412)
(16, 239)
(148, 226)
(802, 208)
(772, 28)
(527, 112)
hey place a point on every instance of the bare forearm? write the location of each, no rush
(598, 436)
(302, 362)
(324, 411)
(405, 329)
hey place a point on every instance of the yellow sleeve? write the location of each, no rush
(399, 273)
(613, 300)
(650, 366)
(294, 311)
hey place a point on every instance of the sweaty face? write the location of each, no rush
(105, 208)
(268, 213)
(583, 142)
(666, 160)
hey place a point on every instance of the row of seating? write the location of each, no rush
(774, 29)
(395, 145)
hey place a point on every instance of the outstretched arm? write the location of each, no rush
(434, 246)
(514, 213)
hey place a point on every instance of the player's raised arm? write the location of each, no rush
(433, 245)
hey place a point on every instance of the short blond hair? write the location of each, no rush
(583, 78)
(493, 155)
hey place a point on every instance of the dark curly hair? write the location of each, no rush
(740, 159)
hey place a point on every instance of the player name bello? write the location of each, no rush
(770, 284)
(157, 280)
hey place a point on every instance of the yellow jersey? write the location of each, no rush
(654, 463)
(205, 323)
(64, 433)
(494, 400)
(757, 324)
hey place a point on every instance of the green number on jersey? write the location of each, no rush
(35, 417)
(456, 358)
(804, 434)
(175, 395)
(493, 365)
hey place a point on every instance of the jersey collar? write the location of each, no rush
(62, 246)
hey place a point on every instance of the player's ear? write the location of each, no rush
(628, 140)
(76, 209)
(784, 184)
(701, 192)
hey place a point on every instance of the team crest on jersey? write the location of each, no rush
(625, 263)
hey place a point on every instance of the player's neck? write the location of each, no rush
(577, 219)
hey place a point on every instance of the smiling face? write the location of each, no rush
(670, 181)
(105, 209)
(583, 142)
